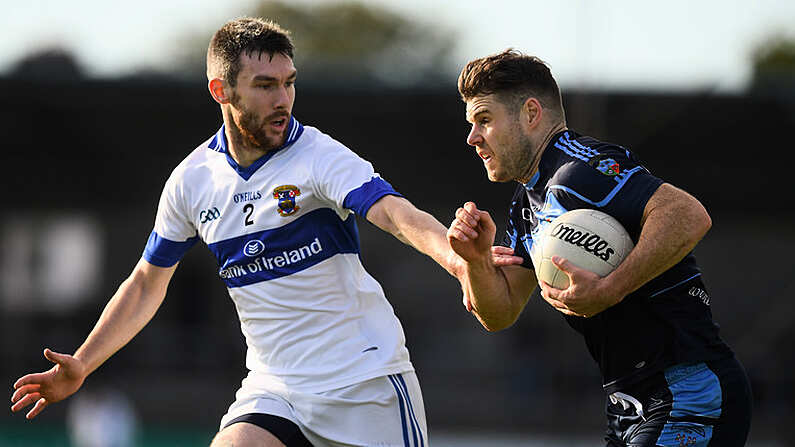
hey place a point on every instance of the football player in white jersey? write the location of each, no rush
(274, 201)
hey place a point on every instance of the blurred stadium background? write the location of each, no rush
(85, 158)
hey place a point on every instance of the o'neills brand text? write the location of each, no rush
(261, 263)
(592, 243)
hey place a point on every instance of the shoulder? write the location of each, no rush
(318, 141)
(197, 163)
(324, 149)
(584, 159)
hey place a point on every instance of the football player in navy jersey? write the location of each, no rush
(671, 380)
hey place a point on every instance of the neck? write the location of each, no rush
(241, 150)
(538, 150)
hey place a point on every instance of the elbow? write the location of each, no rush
(705, 222)
(496, 324)
(495, 328)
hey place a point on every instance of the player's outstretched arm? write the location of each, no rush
(497, 294)
(127, 312)
(672, 224)
(422, 231)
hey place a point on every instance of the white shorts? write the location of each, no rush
(385, 411)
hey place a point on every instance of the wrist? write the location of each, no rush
(479, 265)
(612, 287)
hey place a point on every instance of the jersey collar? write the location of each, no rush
(562, 135)
(219, 144)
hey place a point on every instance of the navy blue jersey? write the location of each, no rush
(667, 321)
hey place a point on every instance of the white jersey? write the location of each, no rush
(284, 234)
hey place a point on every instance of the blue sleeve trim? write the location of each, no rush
(162, 252)
(362, 198)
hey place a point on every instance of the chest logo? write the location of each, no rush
(608, 166)
(253, 248)
(209, 215)
(286, 195)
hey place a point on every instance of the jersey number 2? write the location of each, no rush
(249, 208)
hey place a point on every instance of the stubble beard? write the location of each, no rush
(251, 131)
(522, 160)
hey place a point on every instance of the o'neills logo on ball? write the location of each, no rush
(592, 243)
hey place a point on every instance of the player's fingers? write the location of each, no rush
(560, 306)
(472, 209)
(464, 228)
(501, 250)
(504, 260)
(465, 216)
(545, 287)
(41, 404)
(469, 231)
(58, 358)
(23, 390)
(564, 265)
(29, 378)
(25, 401)
(457, 234)
(569, 312)
(484, 215)
(467, 303)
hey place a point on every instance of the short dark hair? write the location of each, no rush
(247, 35)
(513, 76)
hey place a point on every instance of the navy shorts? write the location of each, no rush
(700, 404)
(284, 429)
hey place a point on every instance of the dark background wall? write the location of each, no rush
(104, 150)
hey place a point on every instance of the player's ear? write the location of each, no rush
(218, 90)
(532, 111)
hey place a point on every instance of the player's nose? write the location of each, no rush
(474, 138)
(282, 99)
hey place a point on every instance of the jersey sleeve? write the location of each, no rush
(173, 233)
(349, 181)
(613, 182)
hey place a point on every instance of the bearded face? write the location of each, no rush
(256, 129)
(262, 100)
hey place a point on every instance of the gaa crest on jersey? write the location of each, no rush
(608, 166)
(286, 195)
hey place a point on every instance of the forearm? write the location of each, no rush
(489, 295)
(127, 312)
(426, 234)
(415, 227)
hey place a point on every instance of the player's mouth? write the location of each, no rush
(486, 157)
(279, 124)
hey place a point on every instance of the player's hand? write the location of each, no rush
(42, 389)
(586, 295)
(502, 256)
(471, 234)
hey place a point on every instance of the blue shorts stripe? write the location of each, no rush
(696, 391)
(406, 397)
(402, 411)
(697, 394)
(411, 409)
